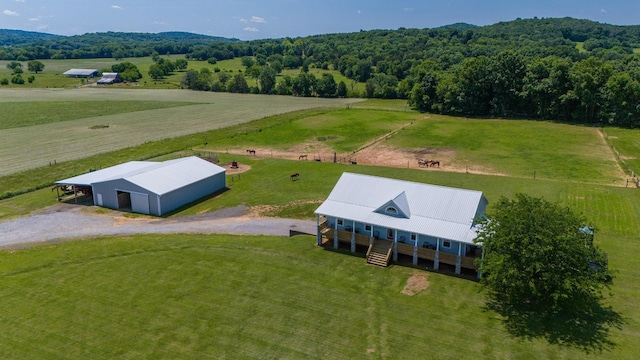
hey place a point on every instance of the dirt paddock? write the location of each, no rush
(375, 155)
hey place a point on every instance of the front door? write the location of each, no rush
(389, 234)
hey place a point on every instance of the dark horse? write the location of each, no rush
(251, 151)
(294, 176)
(435, 163)
(302, 157)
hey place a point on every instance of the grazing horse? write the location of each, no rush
(435, 163)
(301, 157)
(251, 151)
(423, 163)
(294, 176)
(353, 162)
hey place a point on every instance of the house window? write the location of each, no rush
(446, 244)
(340, 222)
(367, 228)
(413, 237)
(392, 210)
(389, 233)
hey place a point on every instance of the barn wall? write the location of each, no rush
(109, 192)
(179, 197)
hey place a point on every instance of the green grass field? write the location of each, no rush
(29, 147)
(53, 74)
(184, 296)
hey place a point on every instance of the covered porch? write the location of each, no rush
(414, 248)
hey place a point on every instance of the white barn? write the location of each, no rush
(148, 187)
(428, 224)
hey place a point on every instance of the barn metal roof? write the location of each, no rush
(157, 177)
(110, 173)
(174, 174)
(438, 211)
(80, 72)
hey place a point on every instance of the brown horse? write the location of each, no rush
(251, 151)
(294, 176)
(302, 157)
(435, 163)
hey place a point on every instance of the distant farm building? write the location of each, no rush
(391, 219)
(148, 187)
(81, 73)
(109, 78)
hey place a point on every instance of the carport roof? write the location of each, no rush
(80, 72)
(157, 177)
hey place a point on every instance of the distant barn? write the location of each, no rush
(81, 73)
(149, 187)
(109, 78)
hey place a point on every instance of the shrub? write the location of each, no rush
(4, 81)
(17, 80)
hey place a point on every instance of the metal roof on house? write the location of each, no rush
(157, 177)
(80, 72)
(438, 211)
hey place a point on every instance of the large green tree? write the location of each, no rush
(35, 66)
(540, 255)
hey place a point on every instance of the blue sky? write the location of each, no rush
(259, 19)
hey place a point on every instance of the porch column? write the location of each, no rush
(459, 259)
(335, 234)
(415, 251)
(371, 236)
(436, 258)
(353, 237)
(395, 245)
(318, 235)
(480, 268)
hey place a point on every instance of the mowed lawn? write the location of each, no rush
(36, 146)
(197, 296)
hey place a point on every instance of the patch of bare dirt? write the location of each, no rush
(237, 170)
(416, 283)
(270, 210)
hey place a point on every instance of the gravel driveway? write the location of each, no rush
(65, 221)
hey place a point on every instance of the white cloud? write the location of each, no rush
(21, 1)
(256, 19)
(243, 20)
(251, 29)
(117, 7)
(358, 12)
(603, 11)
(10, 13)
(159, 23)
(408, 9)
(42, 27)
(34, 19)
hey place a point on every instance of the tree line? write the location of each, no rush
(566, 69)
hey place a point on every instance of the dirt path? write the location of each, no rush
(65, 221)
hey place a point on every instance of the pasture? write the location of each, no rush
(127, 297)
(34, 146)
(52, 76)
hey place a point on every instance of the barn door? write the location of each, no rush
(140, 203)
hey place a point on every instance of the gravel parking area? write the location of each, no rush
(66, 221)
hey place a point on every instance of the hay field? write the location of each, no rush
(35, 146)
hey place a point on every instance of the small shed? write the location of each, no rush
(148, 187)
(81, 73)
(109, 78)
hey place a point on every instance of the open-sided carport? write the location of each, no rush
(151, 187)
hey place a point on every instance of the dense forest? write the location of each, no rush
(565, 69)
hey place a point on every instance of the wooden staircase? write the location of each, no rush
(379, 252)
